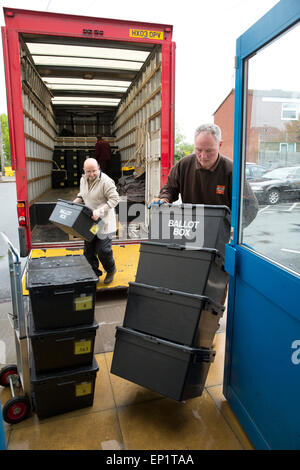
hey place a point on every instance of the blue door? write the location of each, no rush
(262, 360)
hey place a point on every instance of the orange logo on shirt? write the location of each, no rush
(220, 189)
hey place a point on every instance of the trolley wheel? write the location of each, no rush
(16, 409)
(6, 372)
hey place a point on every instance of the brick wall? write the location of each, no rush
(224, 118)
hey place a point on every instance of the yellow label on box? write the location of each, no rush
(94, 229)
(84, 388)
(84, 303)
(144, 33)
(83, 347)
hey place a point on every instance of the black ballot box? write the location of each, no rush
(192, 270)
(71, 161)
(62, 391)
(62, 291)
(58, 178)
(74, 219)
(171, 315)
(175, 371)
(61, 348)
(73, 178)
(195, 225)
(59, 158)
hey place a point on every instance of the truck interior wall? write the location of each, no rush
(139, 112)
(40, 129)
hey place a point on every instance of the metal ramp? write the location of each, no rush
(126, 258)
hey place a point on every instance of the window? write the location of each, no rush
(274, 233)
(289, 111)
(270, 146)
(287, 147)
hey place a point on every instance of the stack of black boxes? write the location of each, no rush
(73, 170)
(59, 173)
(62, 331)
(174, 307)
(68, 166)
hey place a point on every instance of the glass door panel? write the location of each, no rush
(272, 149)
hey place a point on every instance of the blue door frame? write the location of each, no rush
(261, 382)
(2, 432)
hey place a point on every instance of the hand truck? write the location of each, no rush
(18, 407)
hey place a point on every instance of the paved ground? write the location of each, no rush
(7, 342)
(8, 225)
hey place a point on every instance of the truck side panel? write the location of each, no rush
(167, 106)
(16, 123)
(40, 130)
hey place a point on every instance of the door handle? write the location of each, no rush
(62, 292)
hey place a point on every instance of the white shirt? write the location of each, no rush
(101, 192)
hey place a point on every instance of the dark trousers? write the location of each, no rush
(100, 249)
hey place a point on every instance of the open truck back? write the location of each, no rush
(68, 79)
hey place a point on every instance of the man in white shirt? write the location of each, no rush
(98, 192)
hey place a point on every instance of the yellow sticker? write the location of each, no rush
(83, 346)
(144, 33)
(84, 303)
(84, 388)
(94, 229)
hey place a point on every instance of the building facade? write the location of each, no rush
(273, 122)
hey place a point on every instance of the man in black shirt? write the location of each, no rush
(205, 177)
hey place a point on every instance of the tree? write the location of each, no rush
(292, 131)
(5, 138)
(182, 147)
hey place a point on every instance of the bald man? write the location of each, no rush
(98, 192)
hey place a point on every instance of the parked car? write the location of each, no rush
(254, 171)
(277, 185)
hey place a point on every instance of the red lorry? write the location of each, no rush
(68, 79)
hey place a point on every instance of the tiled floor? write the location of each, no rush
(127, 416)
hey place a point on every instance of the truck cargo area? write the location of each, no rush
(75, 89)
